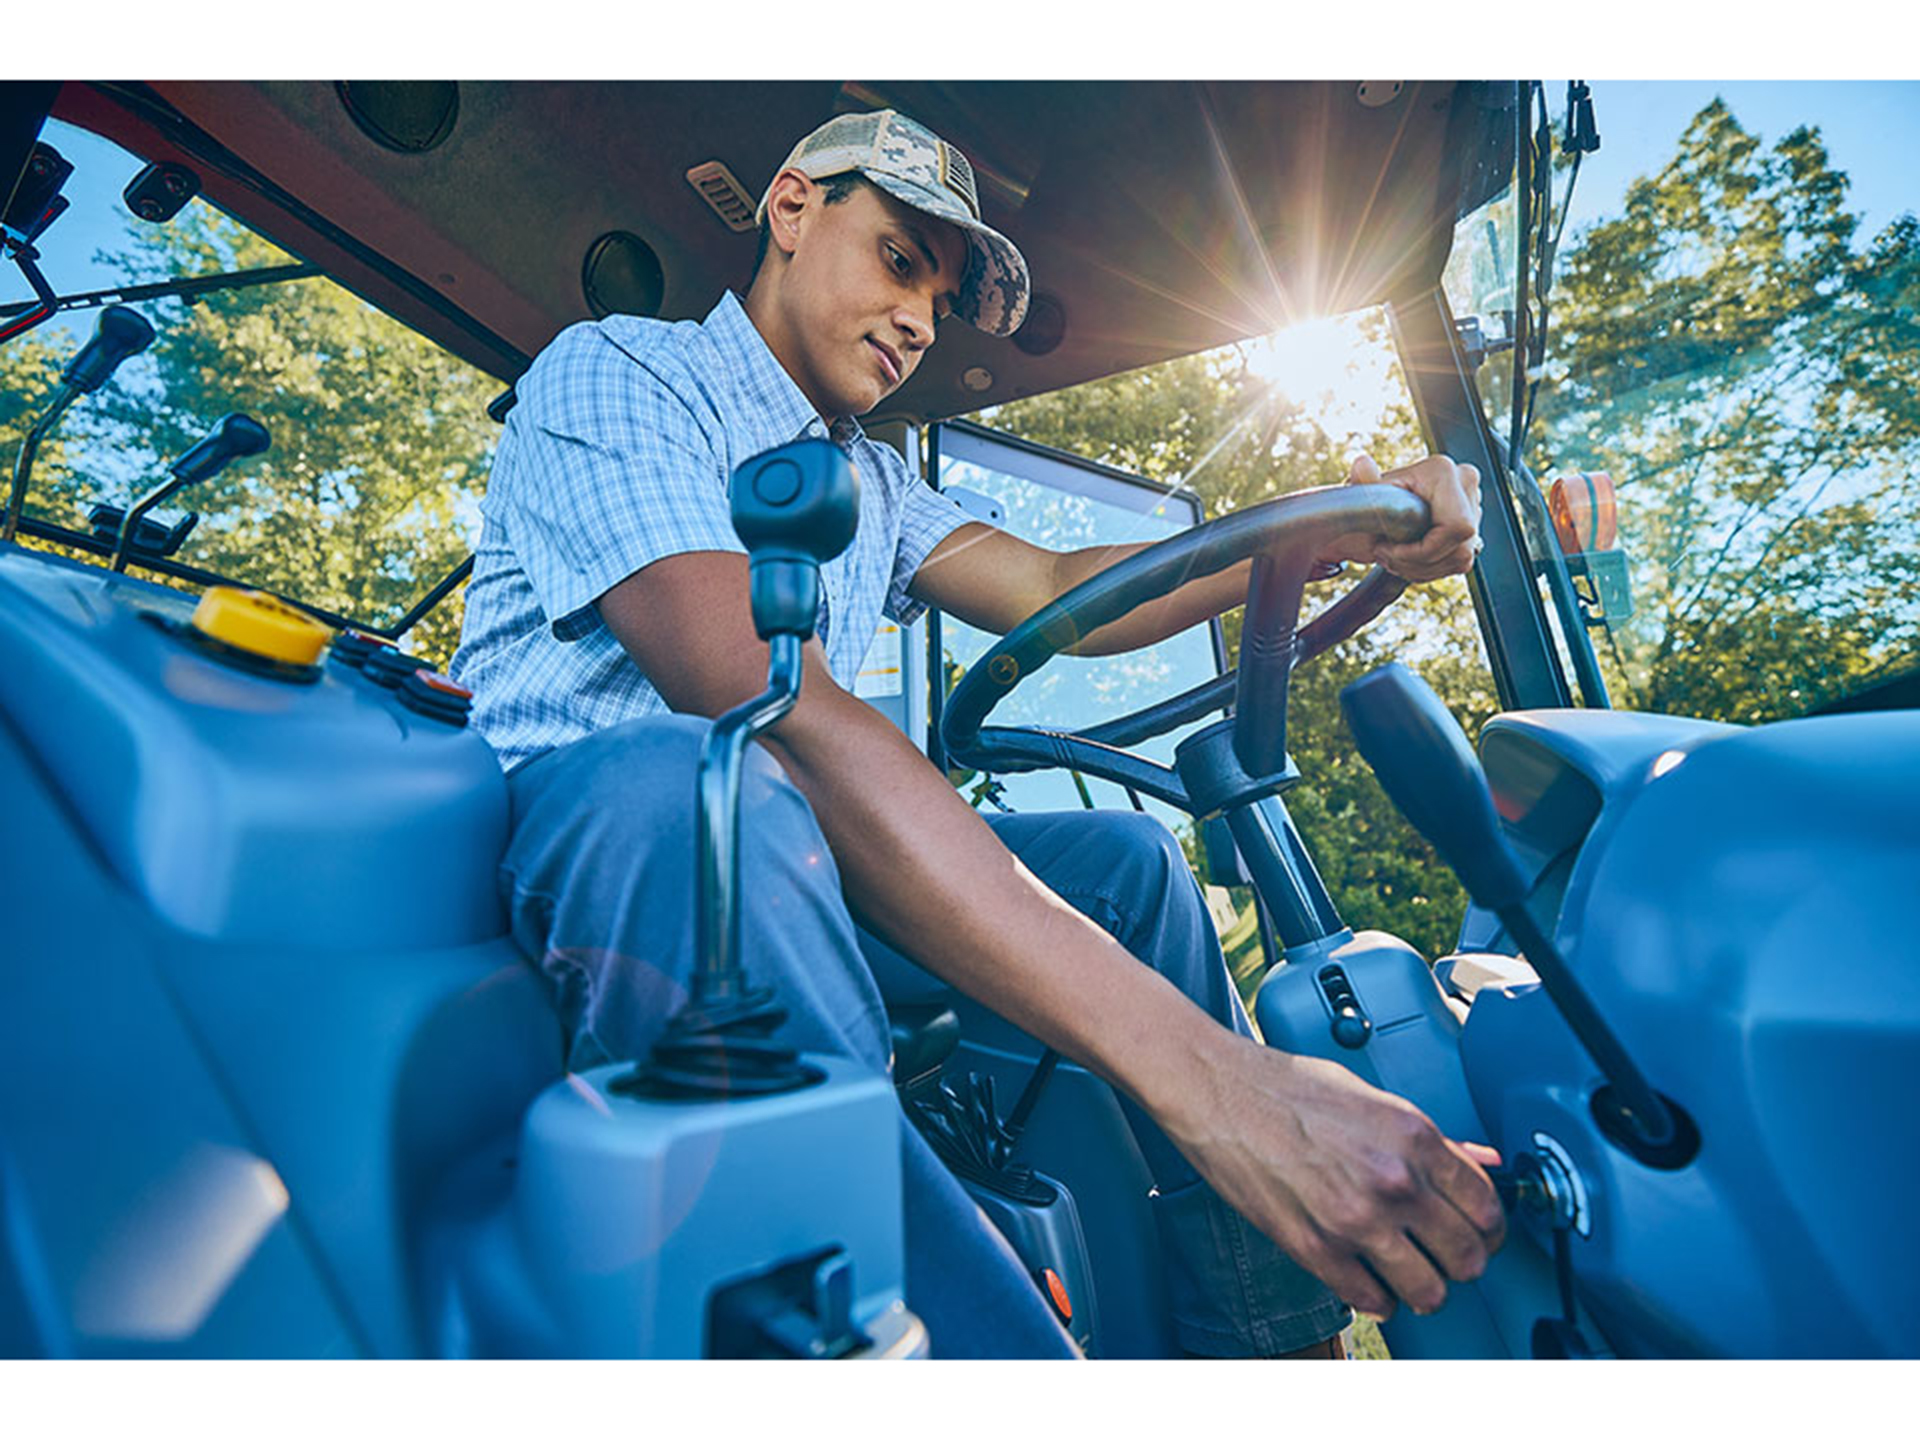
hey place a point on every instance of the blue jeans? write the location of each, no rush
(599, 882)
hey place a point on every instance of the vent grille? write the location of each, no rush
(724, 193)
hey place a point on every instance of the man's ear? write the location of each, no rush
(787, 202)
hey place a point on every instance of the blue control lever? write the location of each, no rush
(1424, 762)
(794, 508)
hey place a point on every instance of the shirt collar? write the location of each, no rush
(774, 410)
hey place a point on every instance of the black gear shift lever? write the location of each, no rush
(233, 437)
(119, 333)
(794, 508)
(1425, 764)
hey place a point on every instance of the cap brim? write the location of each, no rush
(993, 293)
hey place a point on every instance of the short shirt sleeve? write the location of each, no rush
(926, 518)
(615, 471)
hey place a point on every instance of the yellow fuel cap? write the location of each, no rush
(260, 625)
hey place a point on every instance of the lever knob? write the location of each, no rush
(1429, 770)
(120, 332)
(235, 436)
(794, 508)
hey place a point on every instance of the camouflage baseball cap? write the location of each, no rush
(918, 168)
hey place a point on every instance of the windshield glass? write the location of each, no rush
(380, 441)
(1053, 505)
(1230, 428)
(1731, 340)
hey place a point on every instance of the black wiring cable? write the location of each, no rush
(1549, 248)
(1523, 218)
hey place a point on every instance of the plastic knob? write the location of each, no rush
(352, 647)
(388, 666)
(235, 436)
(427, 692)
(121, 332)
(798, 502)
(1351, 1030)
(259, 625)
(794, 508)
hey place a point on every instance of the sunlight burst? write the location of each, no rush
(1340, 374)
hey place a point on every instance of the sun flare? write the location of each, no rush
(1342, 375)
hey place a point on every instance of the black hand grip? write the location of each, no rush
(1430, 771)
(233, 437)
(794, 508)
(119, 333)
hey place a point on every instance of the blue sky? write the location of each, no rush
(1868, 126)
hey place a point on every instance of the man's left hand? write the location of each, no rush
(1452, 542)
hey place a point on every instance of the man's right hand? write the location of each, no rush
(1341, 1175)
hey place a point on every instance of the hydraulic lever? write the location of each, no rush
(119, 333)
(233, 437)
(1428, 768)
(795, 508)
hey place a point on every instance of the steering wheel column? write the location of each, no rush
(1276, 858)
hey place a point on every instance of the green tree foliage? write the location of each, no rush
(1745, 367)
(1743, 364)
(380, 439)
(1214, 424)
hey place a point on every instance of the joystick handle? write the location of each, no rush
(794, 508)
(119, 333)
(1426, 766)
(233, 437)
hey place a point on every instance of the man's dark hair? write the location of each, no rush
(836, 188)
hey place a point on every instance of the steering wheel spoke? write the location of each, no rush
(1024, 748)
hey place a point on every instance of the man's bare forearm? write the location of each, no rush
(923, 871)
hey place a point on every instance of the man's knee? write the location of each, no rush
(601, 880)
(1144, 854)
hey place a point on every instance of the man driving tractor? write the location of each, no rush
(608, 621)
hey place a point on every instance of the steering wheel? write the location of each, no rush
(1283, 535)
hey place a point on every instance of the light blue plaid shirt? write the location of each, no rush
(618, 454)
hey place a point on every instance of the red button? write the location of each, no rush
(1057, 1293)
(441, 683)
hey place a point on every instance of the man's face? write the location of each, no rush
(867, 281)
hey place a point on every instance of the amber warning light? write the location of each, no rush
(1586, 522)
(1584, 517)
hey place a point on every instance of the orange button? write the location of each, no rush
(1057, 1293)
(441, 683)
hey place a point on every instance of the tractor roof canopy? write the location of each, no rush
(1158, 218)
